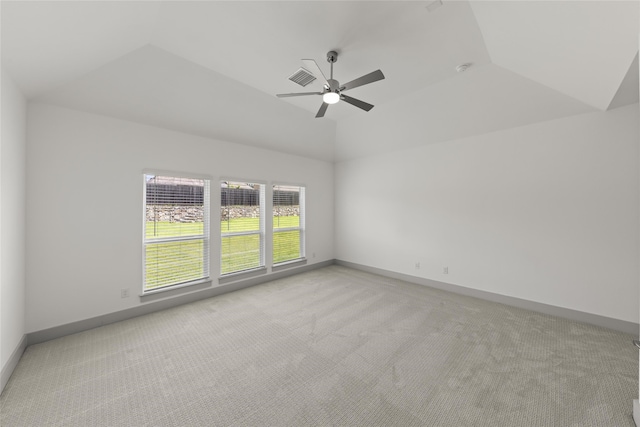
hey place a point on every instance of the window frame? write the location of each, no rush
(301, 224)
(261, 232)
(205, 237)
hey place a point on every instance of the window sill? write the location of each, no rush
(170, 291)
(289, 264)
(246, 274)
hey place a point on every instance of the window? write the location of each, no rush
(288, 223)
(241, 226)
(176, 231)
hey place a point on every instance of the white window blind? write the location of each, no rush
(241, 226)
(288, 223)
(176, 231)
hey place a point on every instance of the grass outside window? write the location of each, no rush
(238, 252)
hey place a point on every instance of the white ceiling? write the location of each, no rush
(212, 68)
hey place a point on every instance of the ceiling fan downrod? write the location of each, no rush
(332, 56)
(332, 84)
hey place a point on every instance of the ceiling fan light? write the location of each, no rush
(331, 97)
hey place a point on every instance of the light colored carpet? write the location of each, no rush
(334, 346)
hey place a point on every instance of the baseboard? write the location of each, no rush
(566, 313)
(174, 301)
(636, 412)
(165, 303)
(11, 364)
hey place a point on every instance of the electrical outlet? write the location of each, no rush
(313, 255)
(124, 293)
(417, 266)
(445, 270)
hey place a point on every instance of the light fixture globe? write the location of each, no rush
(331, 97)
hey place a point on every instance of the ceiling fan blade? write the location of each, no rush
(364, 80)
(285, 95)
(315, 69)
(322, 110)
(360, 104)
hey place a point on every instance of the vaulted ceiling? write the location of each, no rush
(212, 68)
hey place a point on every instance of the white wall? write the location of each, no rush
(12, 222)
(84, 205)
(545, 212)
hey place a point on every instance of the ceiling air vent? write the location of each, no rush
(302, 77)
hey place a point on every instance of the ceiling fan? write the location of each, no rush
(332, 91)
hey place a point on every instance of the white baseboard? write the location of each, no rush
(11, 364)
(566, 313)
(165, 301)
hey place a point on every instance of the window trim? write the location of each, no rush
(301, 226)
(261, 232)
(205, 236)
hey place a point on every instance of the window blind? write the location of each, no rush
(288, 223)
(176, 230)
(241, 226)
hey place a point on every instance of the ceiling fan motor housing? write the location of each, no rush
(334, 85)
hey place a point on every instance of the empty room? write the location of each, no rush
(325, 213)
